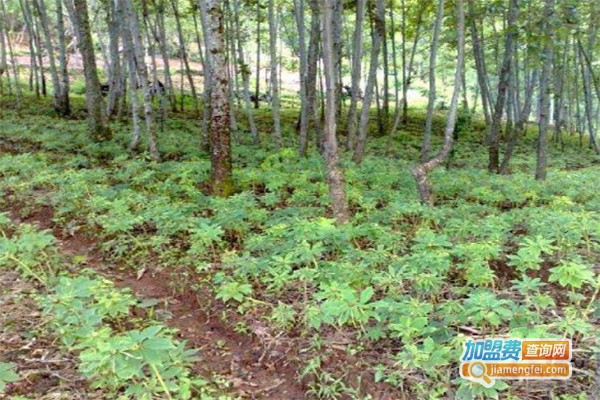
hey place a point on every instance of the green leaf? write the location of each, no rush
(7, 375)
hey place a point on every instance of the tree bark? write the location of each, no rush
(421, 171)
(426, 147)
(504, 81)
(377, 33)
(135, 41)
(335, 176)
(97, 121)
(357, 54)
(520, 126)
(221, 168)
(45, 24)
(274, 78)
(299, 12)
(545, 93)
(245, 71)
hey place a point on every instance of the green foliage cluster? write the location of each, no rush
(31, 251)
(90, 316)
(498, 255)
(93, 318)
(7, 375)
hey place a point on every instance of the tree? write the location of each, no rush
(274, 79)
(494, 136)
(545, 92)
(421, 171)
(378, 34)
(220, 140)
(357, 55)
(426, 147)
(97, 120)
(335, 176)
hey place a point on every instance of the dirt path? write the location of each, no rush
(255, 366)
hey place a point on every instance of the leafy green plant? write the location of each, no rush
(571, 273)
(234, 291)
(7, 375)
(143, 363)
(30, 251)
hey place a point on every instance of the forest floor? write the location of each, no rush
(384, 315)
(232, 356)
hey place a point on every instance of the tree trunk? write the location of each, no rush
(45, 23)
(274, 79)
(258, 43)
(299, 12)
(545, 93)
(480, 68)
(377, 33)
(426, 148)
(504, 81)
(335, 177)
(114, 20)
(357, 54)
(312, 61)
(184, 55)
(134, 38)
(421, 171)
(402, 107)
(520, 126)
(221, 178)
(97, 121)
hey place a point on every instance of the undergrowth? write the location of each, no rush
(402, 284)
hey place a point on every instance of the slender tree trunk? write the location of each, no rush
(63, 96)
(588, 75)
(114, 20)
(134, 39)
(421, 171)
(402, 108)
(337, 28)
(258, 43)
(230, 49)
(133, 95)
(545, 93)
(588, 103)
(335, 176)
(13, 60)
(480, 67)
(33, 66)
(378, 36)
(221, 178)
(405, 73)
(274, 81)
(161, 38)
(45, 25)
(245, 71)
(312, 62)
(520, 126)
(206, 74)
(426, 147)
(184, 55)
(299, 12)
(385, 101)
(97, 121)
(357, 54)
(3, 58)
(504, 81)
